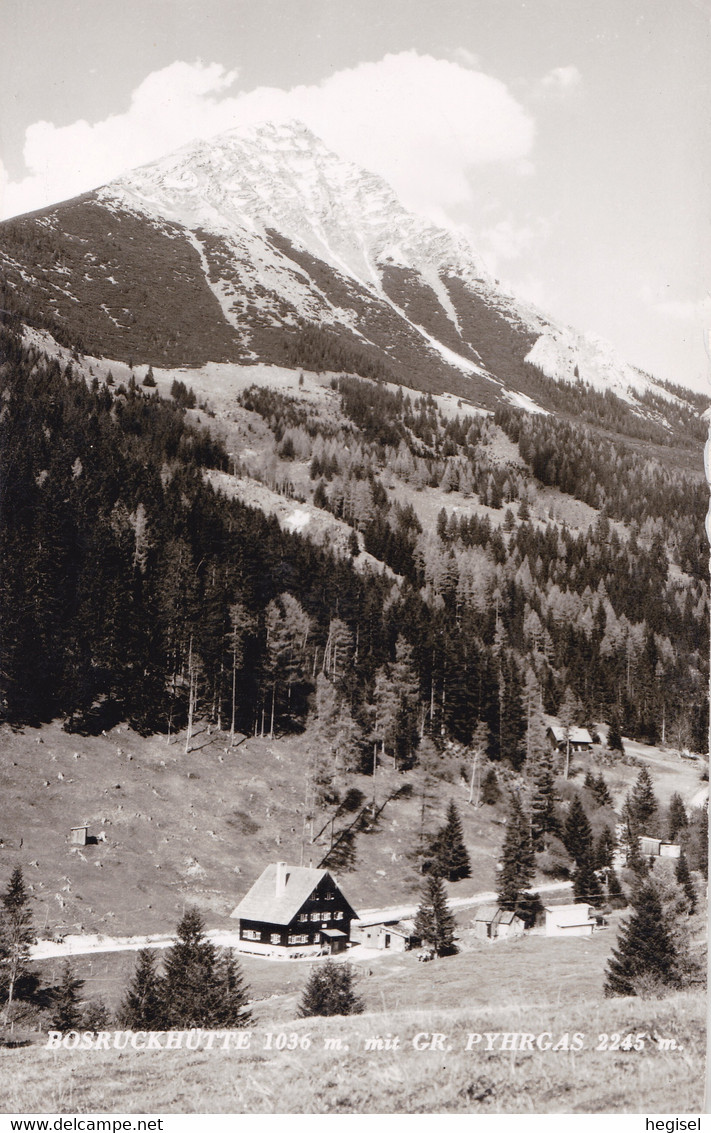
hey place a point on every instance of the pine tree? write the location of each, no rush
(434, 923)
(683, 877)
(490, 793)
(644, 953)
(677, 818)
(66, 1015)
(190, 974)
(601, 791)
(16, 933)
(451, 857)
(643, 804)
(230, 995)
(586, 885)
(543, 815)
(605, 849)
(330, 990)
(143, 1007)
(577, 833)
(518, 861)
(614, 888)
(614, 734)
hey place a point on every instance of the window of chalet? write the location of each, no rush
(250, 934)
(303, 916)
(299, 938)
(337, 914)
(275, 938)
(315, 916)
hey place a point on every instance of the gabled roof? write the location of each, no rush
(569, 915)
(492, 914)
(576, 735)
(485, 913)
(262, 904)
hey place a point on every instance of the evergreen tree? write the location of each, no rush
(643, 805)
(614, 734)
(543, 814)
(677, 819)
(143, 1007)
(330, 990)
(577, 833)
(586, 885)
(699, 847)
(683, 877)
(66, 1015)
(490, 793)
(518, 861)
(190, 975)
(434, 923)
(16, 933)
(601, 791)
(644, 953)
(230, 996)
(605, 849)
(448, 853)
(614, 889)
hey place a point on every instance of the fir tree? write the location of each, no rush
(577, 833)
(66, 1015)
(605, 849)
(614, 889)
(230, 995)
(543, 814)
(614, 734)
(330, 990)
(601, 791)
(586, 885)
(644, 953)
(490, 793)
(677, 819)
(683, 877)
(143, 1007)
(518, 861)
(434, 923)
(190, 974)
(643, 805)
(451, 857)
(16, 933)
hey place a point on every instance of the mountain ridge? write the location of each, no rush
(261, 245)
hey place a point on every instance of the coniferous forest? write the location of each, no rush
(133, 590)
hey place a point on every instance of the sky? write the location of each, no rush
(570, 139)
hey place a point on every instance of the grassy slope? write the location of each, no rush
(402, 1081)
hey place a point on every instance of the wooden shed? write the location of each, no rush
(79, 835)
(391, 935)
(492, 923)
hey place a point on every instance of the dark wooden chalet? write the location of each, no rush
(294, 910)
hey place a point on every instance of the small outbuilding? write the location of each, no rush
(578, 738)
(656, 848)
(79, 835)
(391, 936)
(569, 920)
(492, 923)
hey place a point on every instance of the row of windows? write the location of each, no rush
(275, 938)
(326, 915)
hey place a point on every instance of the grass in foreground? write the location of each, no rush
(326, 1079)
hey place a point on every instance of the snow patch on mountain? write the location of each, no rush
(566, 355)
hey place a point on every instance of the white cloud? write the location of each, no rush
(562, 79)
(422, 123)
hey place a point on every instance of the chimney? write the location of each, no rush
(280, 879)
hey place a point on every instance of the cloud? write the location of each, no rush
(423, 123)
(696, 311)
(562, 79)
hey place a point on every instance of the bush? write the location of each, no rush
(330, 991)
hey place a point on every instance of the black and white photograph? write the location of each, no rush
(355, 384)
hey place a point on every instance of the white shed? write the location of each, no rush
(569, 920)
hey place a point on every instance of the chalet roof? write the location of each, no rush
(569, 915)
(576, 735)
(261, 903)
